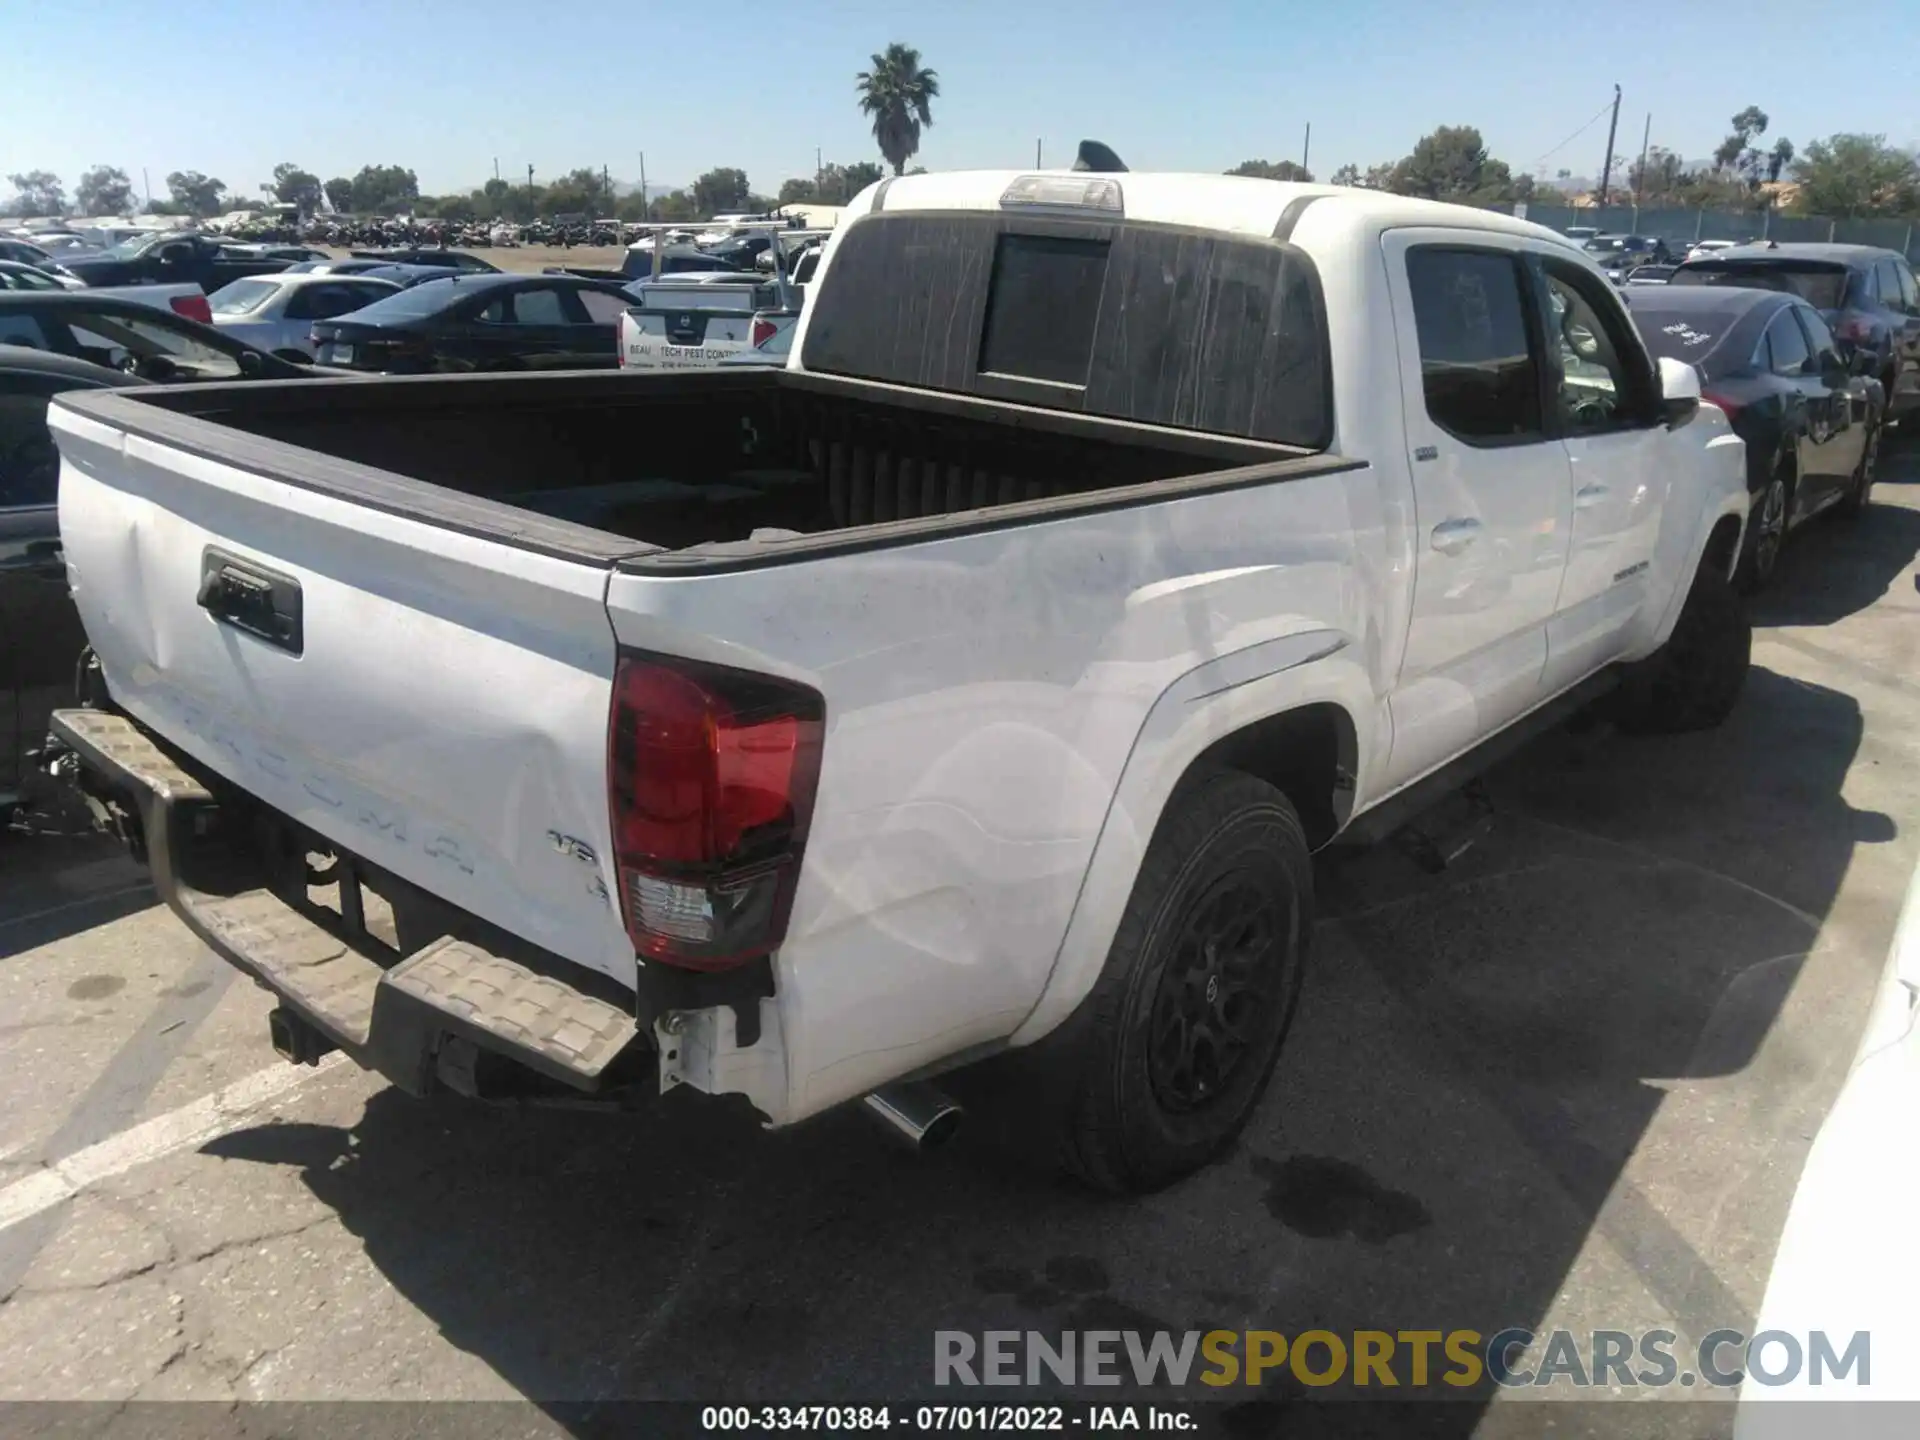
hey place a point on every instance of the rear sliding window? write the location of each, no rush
(1822, 286)
(1193, 330)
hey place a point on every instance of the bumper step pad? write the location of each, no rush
(391, 1017)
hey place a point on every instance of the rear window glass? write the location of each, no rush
(1673, 336)
(240, 297)
(1821, 286)
(1223, 334)
(429, 297)
(1042, 307)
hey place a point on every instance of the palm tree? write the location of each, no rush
(897, 94)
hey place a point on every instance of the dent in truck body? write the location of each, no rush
(984, 693)
(389, 603)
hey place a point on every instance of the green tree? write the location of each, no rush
(1452, 164)
(40, 193)
(1749, 125)
(1278, 170)
(578, 192)
(797, 192)
(294, 186)
(104, 190)
(384, 189)
(1857, 175)
(674, 206)
(339, 192)
(196, 194)
(719, 191)
(898, 94)
(1348, 174)
(1659, 181)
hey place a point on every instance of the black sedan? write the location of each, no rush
(1868, 297)
(481, 322)
(430, 255)
(142, 340)
(1812, 423)
(40, 634)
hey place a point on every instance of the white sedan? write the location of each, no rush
(276, 312)
(1845, 1276)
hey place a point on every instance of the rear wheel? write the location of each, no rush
(1767, 527)
(1169, 1056)
(1693, 681)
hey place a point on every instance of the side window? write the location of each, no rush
(1594, 373)
(497, 311)
(1909, 292)
(602, 308)
(1887, 280)
(1478, 371)
(303, 304)
(538, 307)
(1819, 338)
(23, 330)
(29, 462)
(1790, 353)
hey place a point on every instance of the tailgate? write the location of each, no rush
(431, 699)
(690, 326)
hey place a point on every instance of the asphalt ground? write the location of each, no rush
(1568, 1082)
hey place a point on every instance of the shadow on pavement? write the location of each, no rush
(1477, 1056)
(1836, 567)
(52, 886)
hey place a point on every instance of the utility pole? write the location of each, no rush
(606, 188)
(1606, 170)
(1640, 177)
(1038, 164)
(530, 207)
(496, 167)
(646, 205)
(1306, 149)
(147, 186)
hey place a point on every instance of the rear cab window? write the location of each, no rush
(1822, 285)
(1157, 324)
(241, 297)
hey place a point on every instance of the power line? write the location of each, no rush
(1574, 136)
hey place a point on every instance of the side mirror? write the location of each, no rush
(250, 364)
(1833, 370)
(1862, 362)
(1679, 391)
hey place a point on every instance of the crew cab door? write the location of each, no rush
(1603, 401)
(1491, 495)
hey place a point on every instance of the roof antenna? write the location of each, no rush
(1095, 157)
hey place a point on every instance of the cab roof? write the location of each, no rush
(1233, 204)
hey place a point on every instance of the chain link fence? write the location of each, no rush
(1686, 226)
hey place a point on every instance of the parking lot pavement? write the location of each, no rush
(1569, 1081)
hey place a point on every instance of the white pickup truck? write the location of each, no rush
(967, 696)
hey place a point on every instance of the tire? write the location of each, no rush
(1766, 528)
(1860, 488)
(1693, 681)
(1151, 1095)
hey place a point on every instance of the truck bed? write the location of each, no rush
(725, 466)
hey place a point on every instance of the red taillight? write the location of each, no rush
(194, 307)
(762, 331)
(711, 773)
(1732, 407)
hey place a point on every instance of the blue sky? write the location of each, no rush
(231, 87)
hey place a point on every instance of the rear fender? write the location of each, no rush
(1206, 705)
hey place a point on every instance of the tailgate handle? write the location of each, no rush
(253, 598)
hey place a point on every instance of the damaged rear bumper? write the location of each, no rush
(428, 1011)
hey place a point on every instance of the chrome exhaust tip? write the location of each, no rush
(915, 1113)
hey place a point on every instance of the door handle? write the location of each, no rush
(1450, 537)
(1589, 495)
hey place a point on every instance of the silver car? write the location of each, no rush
(276, 312)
